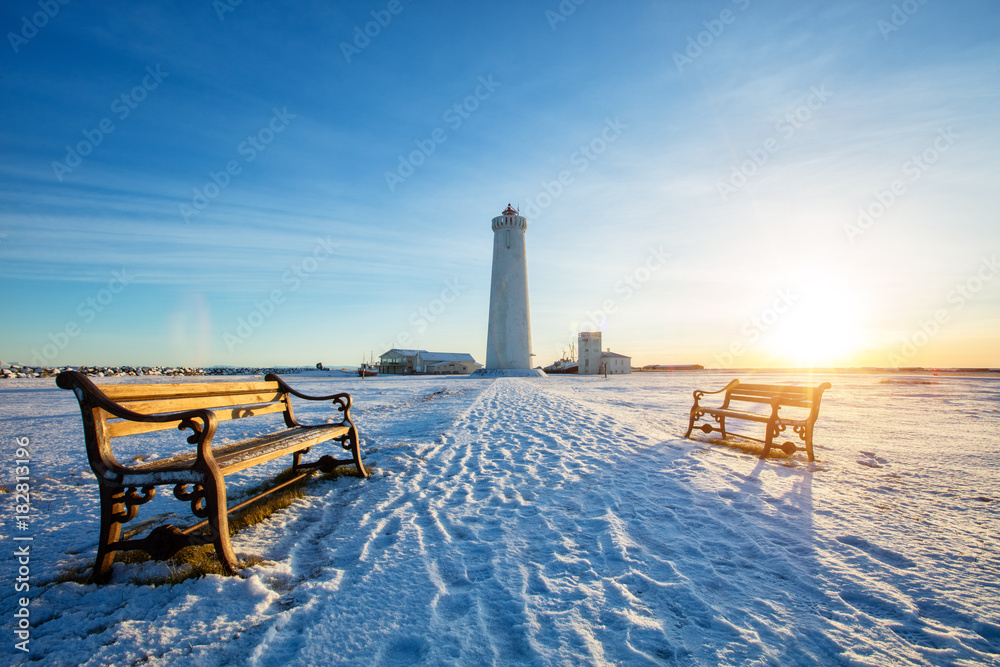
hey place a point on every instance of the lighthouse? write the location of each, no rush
(508, 341)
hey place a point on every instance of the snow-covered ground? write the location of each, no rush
(554, 521)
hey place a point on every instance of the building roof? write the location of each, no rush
(510, 211)
(615, 355)
(403, 353)
(445, 356)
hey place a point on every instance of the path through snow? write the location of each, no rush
(564, 521)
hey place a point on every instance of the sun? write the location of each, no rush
(822, 328)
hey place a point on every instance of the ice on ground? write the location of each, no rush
(555, 521)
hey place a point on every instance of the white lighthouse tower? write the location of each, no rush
(508, 341)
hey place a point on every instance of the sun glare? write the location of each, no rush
(822, 328)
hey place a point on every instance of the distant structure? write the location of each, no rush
(422, 362)
(666, 368)
(589, 348)
(397, 362)
(592, 361)
(445, 363)
(562, 367)
(615, 364)
(566, 365)
(508, 339)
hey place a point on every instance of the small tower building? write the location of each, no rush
(592, 361)
(589, 350)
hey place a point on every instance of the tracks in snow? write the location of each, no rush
(539, 529)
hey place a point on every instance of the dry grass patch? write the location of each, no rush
(198, 561)
(747, 445)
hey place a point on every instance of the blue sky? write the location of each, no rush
(743, 183)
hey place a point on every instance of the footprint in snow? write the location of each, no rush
(869, 459)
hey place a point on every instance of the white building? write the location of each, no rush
(408, 362)
(589, 353)
(593, 361)
(614, 363)
(508, 338)
(397, 362)
(444, 363)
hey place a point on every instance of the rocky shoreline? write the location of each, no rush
(15, 371)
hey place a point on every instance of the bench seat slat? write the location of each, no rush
(241, 455)
(130, 392)
(792, 402)
(775, 389)
(780, 388)
(752, 416)
(766, 400)
(160, 406)
(795, 395)
(116, 429)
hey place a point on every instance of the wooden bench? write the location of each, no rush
(198, 477)
(778, 396)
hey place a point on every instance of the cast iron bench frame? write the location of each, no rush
(111, 411)
(775, 395)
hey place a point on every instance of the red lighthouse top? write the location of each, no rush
(509, 211)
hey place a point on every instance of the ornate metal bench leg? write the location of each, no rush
(218, 523)
(691, 421)
(112, 505)
(722, 426)
(356, 451)
(809, 441)
(772, 430)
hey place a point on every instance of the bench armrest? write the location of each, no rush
(341, 400)
(271, 377)
(698, 393)
(202, 422)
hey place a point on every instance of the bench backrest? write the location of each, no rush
(228, 400)
(786, 395)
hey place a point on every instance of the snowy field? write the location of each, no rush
(553, 521)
